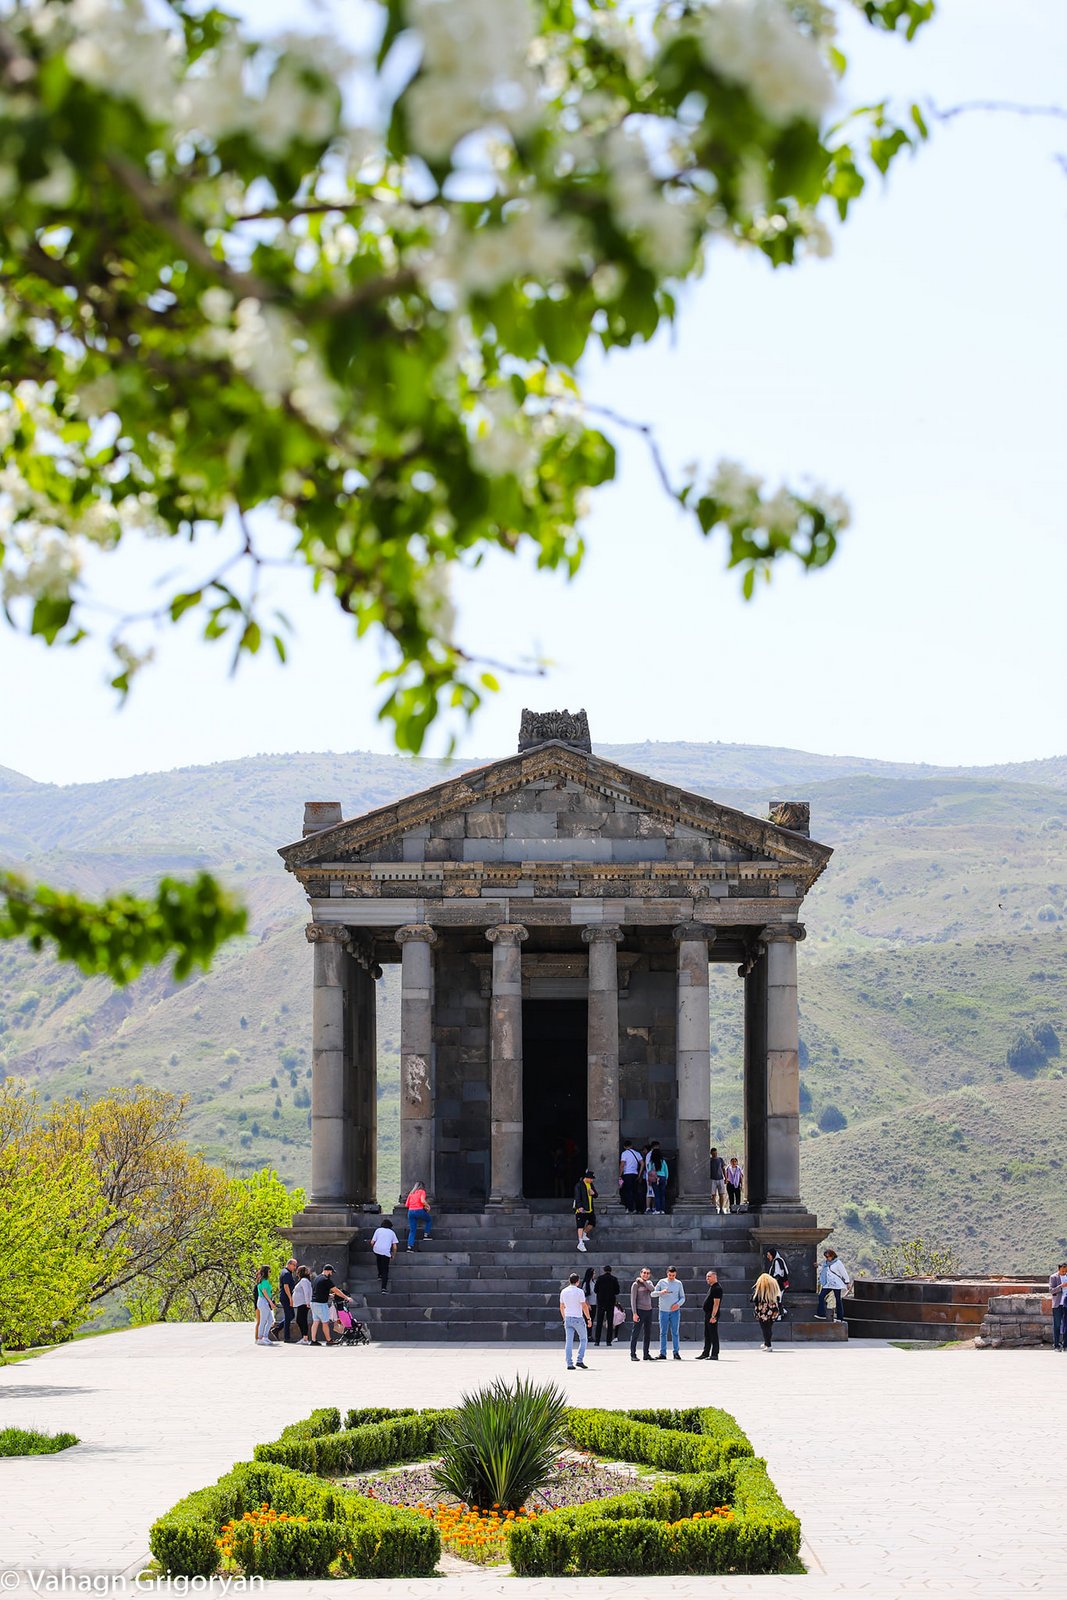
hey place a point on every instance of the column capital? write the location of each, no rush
(507, 933)
(602, 933)
(776, 932)
(415, 931)
(327, 933)
(693, 930)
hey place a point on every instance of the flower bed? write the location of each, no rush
(710, 1508)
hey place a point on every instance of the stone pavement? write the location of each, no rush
(913, 1473)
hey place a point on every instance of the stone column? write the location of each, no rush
(416, 1056)
(331, 1169)
(363, 1115)
(754, 973)
(603, 1051)
(505, 1070)
(783, 1067)
(693, 1055)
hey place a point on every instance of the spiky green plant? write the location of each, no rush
(503, 1444)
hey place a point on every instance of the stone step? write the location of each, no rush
(500, 1328)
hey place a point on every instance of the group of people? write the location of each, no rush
(603, 1292)
(727, 1178)
(643, 1180)
(312, 1301)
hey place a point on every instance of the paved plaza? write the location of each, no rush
(913, 1473)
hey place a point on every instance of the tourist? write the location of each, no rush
(585, 1196)
(718, 1183)
(712, 1303)
(833, 1280)
(1057, 1288)
(384, 1243)
(629, 1170)
(587, 1282)
(418, 1211)
(645, 1193)
(766, 1304)
(671, 1297)
(574, 1309)
(657, 1174)
(606, 1293)
(774, 1264)
(264, 1306)
(302, 1304)
(735, 1177)
(641, 1312)
(286, 1284)
(323, 1294)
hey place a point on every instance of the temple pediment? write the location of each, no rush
(558, 804)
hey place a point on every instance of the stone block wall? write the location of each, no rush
(461, 1047)
(1016, 1321)
(647, 1087)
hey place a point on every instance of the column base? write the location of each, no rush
(499, 1202)
(328, 1233)
(795, 1232)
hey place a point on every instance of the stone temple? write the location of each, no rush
(554, 916)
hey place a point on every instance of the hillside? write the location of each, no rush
(935, 936)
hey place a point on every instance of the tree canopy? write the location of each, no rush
(349, 284)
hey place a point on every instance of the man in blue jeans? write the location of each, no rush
(671, 1297)
(1057, 1288)
(574, 1309)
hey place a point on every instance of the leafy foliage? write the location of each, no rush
(29, 1442)
(914, 1258)
(1032, 1049)
(502, 1443)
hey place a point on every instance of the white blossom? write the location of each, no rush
(475, 69)
(757, 44)
(503, 443)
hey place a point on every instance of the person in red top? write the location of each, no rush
(418, 1211)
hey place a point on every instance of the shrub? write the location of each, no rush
(914, 1258)
(502, 1443)
(832, 1120)
(28, 1442)
(1026, 1053)
(643, 1436)
(286, 1549)
(1047, 1038)
(374, 1444)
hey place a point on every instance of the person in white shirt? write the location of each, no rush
(833, 1280)
(574, 1309)
(735, 1177)
(629, 1172)
(302, 1303)
(384, 1243)
(671, 1297)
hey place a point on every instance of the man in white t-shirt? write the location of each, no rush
(574, 1309)
(629, 1168)
(384, 1244)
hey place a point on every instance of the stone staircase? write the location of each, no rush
(496, 1277)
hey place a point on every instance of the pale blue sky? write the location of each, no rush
(920, 371)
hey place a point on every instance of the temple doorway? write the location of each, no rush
(555, 1060)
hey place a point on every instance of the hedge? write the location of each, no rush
(364, 1536)
(657, 1443)
(645, 1532)
(399, 1437)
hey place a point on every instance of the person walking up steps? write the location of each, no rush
(712, 1303)
(418, 1211)
(606, 1294)
(585, 1196)
(641, 1312)
(670, 1297)
(384, 1243)
(574, 1309)
(766, 1302)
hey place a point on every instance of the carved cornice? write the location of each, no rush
(779, 931)
(326, 933)
(507, 933)
(693, 930)
(602, 933)
(420, 931)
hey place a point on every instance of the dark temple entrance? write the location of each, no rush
(554, 1056)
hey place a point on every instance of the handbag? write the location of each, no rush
(618, 1317)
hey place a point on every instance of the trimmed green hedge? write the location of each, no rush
(402, 1436)
(364, 1536)
(643, 1531)
(654, 1438)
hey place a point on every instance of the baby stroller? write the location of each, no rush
(352, 1330)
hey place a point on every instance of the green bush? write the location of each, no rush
(502, 1443)
(653, 1437)
(363, 1414)
(28, 1442)
(374, 1444)
(365, 1537)
(326, 1420)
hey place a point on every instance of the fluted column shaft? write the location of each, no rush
(330, 1112)
(416, 940)
(505, 1069)
(603, 1051)
(783, 1066)
(693, 1054)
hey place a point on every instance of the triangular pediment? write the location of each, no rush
(550, 804)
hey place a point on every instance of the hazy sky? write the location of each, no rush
(920, 371)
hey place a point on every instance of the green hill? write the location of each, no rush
(935, 937)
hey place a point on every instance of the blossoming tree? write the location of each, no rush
(353, 286)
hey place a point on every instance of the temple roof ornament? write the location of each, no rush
(563, 727)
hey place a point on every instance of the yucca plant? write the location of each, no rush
(502, 1444)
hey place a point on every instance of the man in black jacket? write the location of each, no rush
(712, 1302)
(606, 1293)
